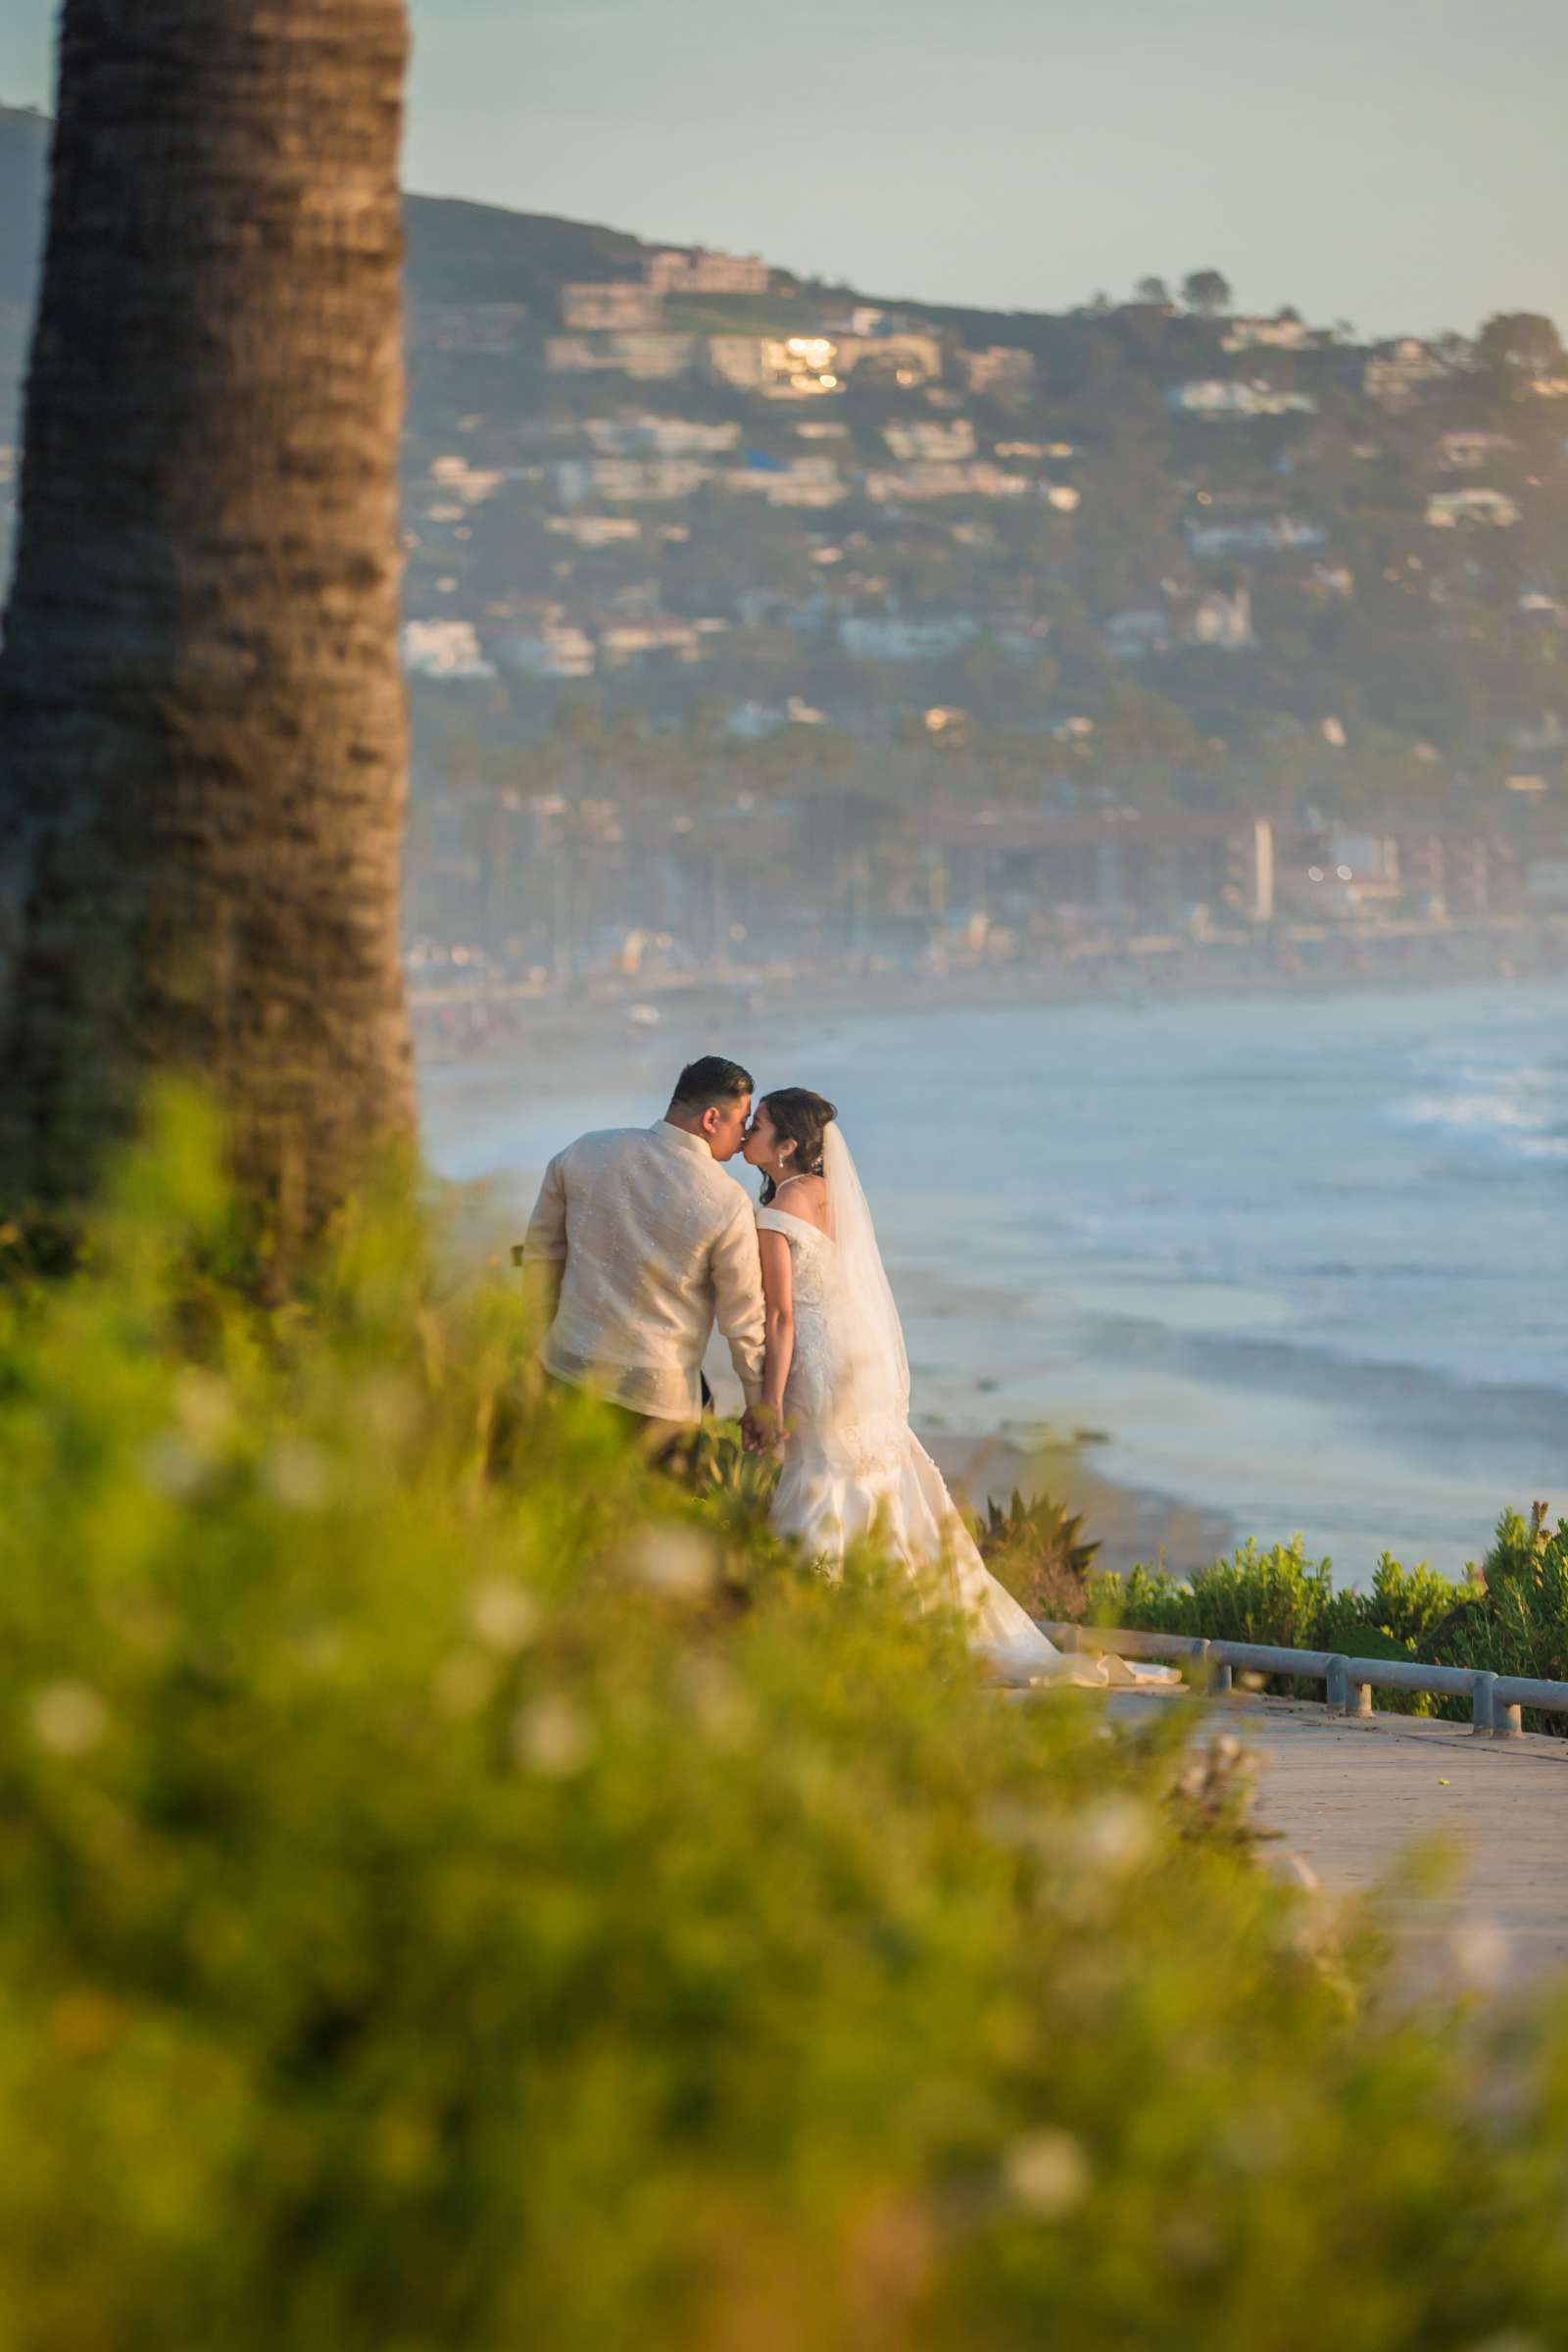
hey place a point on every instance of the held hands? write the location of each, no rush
(762, 1429)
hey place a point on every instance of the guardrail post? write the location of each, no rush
(1220, 1675)
(1481, 1704)
(1203, 1671)
(1506, 1720)
(1337, 1691)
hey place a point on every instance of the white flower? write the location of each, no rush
(503, 1615)
(679, 1560)
(1046, 2172)
(68, 1718)
(1115, 1835)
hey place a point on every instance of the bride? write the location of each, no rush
(836, 1391)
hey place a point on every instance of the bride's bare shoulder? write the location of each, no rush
(803, 1197)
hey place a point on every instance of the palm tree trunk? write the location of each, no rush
(202, 724)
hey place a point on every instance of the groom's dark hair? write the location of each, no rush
(704, 1085)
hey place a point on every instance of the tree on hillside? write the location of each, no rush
(202, 728)
(1520, 343)
(1206, 291)
(1152, 289)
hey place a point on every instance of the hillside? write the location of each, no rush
(1146, 546)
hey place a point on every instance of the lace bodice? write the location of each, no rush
(820, 1395)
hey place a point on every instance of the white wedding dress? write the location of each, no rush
(853, 1467)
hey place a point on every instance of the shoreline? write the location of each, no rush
(486, 1022)
(1411, 1472)
(1133, 1525)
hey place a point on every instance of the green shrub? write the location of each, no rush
(1038, 1551)
(1511, 1615)
(458, 1890)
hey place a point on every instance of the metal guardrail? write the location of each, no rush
(1496, 1699)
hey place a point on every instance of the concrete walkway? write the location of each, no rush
(1351, 1797)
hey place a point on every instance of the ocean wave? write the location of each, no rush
(1503, 1123)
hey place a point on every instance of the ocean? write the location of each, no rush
(1298, 1260)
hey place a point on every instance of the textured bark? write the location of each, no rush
(201, 726)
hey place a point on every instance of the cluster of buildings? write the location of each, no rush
(942, 452)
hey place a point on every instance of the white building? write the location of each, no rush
(1398, 374)
(469, 485)
(630, 641)
(444, 649)
(912, 485)
(996, 372)
(930, 437)
(1227, 396)
(1222, 620)
(1461, 450)
(1446, 509)
(674, 271)
(1286, 332)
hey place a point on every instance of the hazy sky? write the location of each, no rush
(1399, 163)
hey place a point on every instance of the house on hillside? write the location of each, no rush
(469, 485)
(619, 306)
(1219, 618)
(1284, 332)
(1459, 452)
(1213, 616)
(444, 649)
(930, 437)
(1494, 510)
(1400, 374)
(909, 485)
(997, 373)
(779, 368)
(650, 355)
(1219, 397)
(905, 359)
(675, 271)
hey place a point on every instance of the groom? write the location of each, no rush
(638, 1243)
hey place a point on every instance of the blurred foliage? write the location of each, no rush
(1511, 1614)
(457, 1888)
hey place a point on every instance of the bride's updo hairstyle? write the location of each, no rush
(801, 1118)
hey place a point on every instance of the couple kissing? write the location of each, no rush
(639, 1241)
